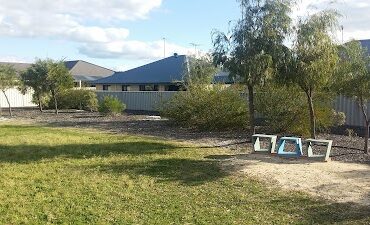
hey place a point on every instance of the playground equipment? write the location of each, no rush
(297, 153)
(298, 147)
(310, 144)
(257, 143)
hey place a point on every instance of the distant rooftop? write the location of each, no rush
(366, 44)
(164, 71)
(80, 70)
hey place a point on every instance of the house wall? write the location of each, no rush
(118, 87)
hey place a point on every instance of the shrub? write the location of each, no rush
(74, 99)
(111, 106)
(207, 108)
(285, 110)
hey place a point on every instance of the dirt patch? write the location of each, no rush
(349, 149)
(133, 124)
(334, 181)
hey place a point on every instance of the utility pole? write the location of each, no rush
(342, 27)
(195, 45)
(164, 47)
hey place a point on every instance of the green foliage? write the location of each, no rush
(201, 71)
(45, 77)
(353, 79)
(58, 78)
(207, 108)
(285, 110)
(78, 99)
(111, 106)
(254, 50)
(315, 52)
(8, 79)
(314, 58)
(353, 75)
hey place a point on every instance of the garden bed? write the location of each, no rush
(345, 148)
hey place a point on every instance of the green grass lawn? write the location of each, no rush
(50, 175)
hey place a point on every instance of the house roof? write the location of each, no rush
(366, 44)
(79, 69)
(19, 67)
(168, 70)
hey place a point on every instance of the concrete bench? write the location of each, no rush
(327, 143)
(256, 139)
(298, 147)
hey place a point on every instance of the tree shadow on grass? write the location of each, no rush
(185, 171)
(24, 153)
(320, 211)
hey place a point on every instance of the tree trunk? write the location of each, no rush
(40, 104)
(312, 115)
(7, 100)
(367, 124)
(251, 109)
(366, 148)
(55, 102)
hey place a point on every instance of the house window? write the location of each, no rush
(148, 87)
(124, 88)
(172, 88)
(106, 87)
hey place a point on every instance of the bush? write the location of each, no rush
(285, 110)
(78, 99)
(111, 106)
(207, 108)
(72, 99)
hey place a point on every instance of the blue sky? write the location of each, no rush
(122, 34)
(180, 22)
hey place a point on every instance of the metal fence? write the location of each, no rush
(139, 100)
(351, 109)
(16, 99)
(149, 101)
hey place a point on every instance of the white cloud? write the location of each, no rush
(71, 20)
(355, 15)
(133, 50)
(67, 19)
(15, 59)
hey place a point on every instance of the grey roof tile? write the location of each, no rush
(168, 70)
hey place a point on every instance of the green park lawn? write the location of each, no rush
(69, 176)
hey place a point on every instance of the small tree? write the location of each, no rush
(354, 79)
(8, 79)
(58, 79)
(201, 71)
(254, 50)
(35, 77)
(314, 57)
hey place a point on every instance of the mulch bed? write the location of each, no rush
(345, 148)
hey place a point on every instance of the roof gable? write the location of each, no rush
(82, 68)
(168, 70)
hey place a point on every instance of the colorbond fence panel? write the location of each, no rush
(141, 100)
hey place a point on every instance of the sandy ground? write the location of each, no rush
(334, 181)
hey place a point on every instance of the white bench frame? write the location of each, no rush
(310, 143)
(257, 143)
